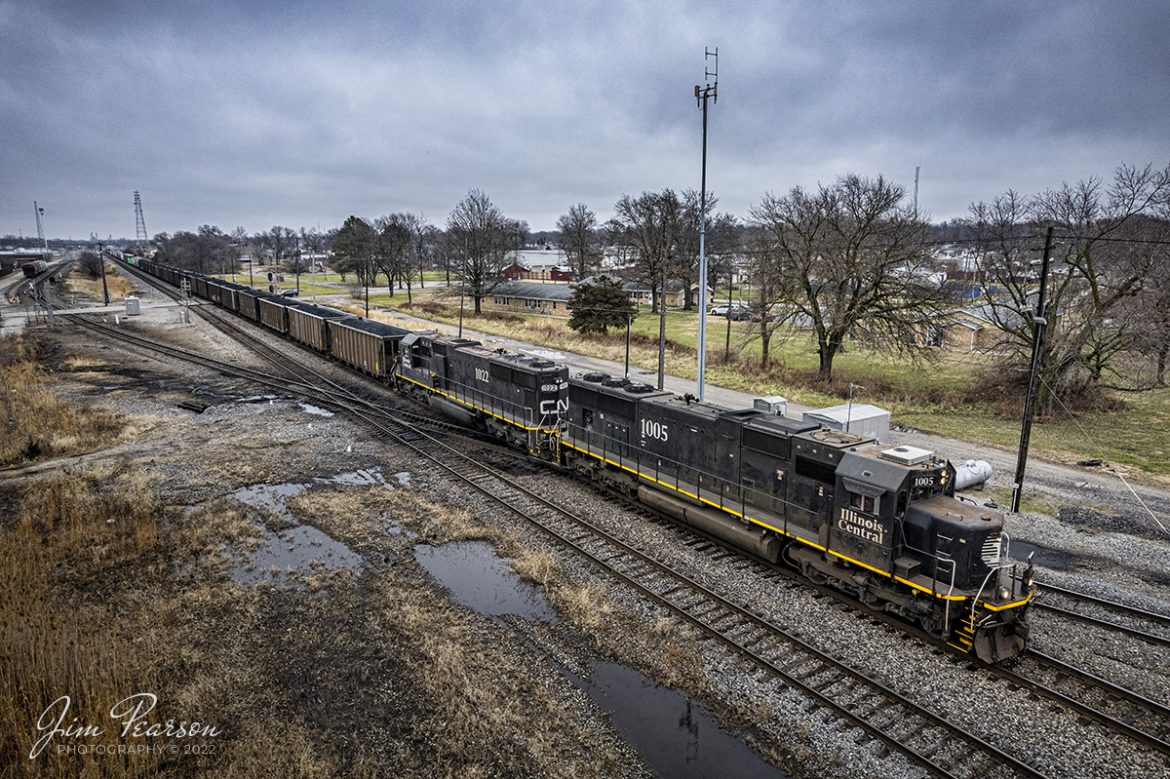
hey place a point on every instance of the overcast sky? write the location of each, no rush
(301, 113)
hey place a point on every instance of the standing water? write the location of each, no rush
(672, 732)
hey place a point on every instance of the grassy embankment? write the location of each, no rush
(941, 397)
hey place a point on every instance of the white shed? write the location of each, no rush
(860, 418)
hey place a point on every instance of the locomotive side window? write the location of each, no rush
(864, 502)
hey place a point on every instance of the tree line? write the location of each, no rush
(850, 261)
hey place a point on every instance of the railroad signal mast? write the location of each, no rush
(704, 93)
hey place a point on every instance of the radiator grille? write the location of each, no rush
(991, 550)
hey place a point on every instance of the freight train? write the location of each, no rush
(879, 523)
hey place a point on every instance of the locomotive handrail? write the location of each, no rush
(587, 437)
(986, 579)
(950, 592)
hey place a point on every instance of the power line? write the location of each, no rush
(1093, 442)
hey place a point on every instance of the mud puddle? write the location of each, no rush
(297, 548)
(478, 578)
(673, 733)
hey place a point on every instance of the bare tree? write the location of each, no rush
(312, 241)
(848, 259)
(281, 241)
(771, 313)
(1101, 264)
(426, 238)
(479, 240)
(579, 238)
(392, 250)
(650, 227)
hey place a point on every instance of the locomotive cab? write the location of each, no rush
(895, 514)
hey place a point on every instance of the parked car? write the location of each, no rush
(290, 293)
(738, 311)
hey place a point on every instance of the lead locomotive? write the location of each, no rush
(881, 524)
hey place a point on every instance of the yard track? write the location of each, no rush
(1135, 622)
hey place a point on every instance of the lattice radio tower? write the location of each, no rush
(139, 221)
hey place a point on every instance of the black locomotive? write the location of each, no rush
(517, 397)
(877, 522)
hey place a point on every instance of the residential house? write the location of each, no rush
(529, 297)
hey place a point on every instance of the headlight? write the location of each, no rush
(1004, 593)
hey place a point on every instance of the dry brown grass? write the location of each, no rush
(34, 421)
(79, 283)
(497, 717)
(437, 523)
(65, 545)
(533, 565)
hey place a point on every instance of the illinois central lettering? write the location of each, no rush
(861, 526)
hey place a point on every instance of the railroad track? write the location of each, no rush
(1132, 621)
(1117, 708)
(927, 738)
(291, 364)
(1142, 719)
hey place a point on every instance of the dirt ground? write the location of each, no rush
(128, 570)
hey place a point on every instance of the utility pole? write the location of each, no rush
(917, 168)
(708, 91)
(39, 212)
(662, 324)
(629, 326)
(849, 408)
(102, 265)
(727, 343)
(1040, 325)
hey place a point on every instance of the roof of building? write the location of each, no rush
(540, 258)
(848, 413)
(533, 290)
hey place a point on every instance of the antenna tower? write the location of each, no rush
(706, 92)
(139, 221)
(916, 169)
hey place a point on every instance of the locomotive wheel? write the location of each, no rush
(931, 623)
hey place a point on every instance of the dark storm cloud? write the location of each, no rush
(263, 113)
